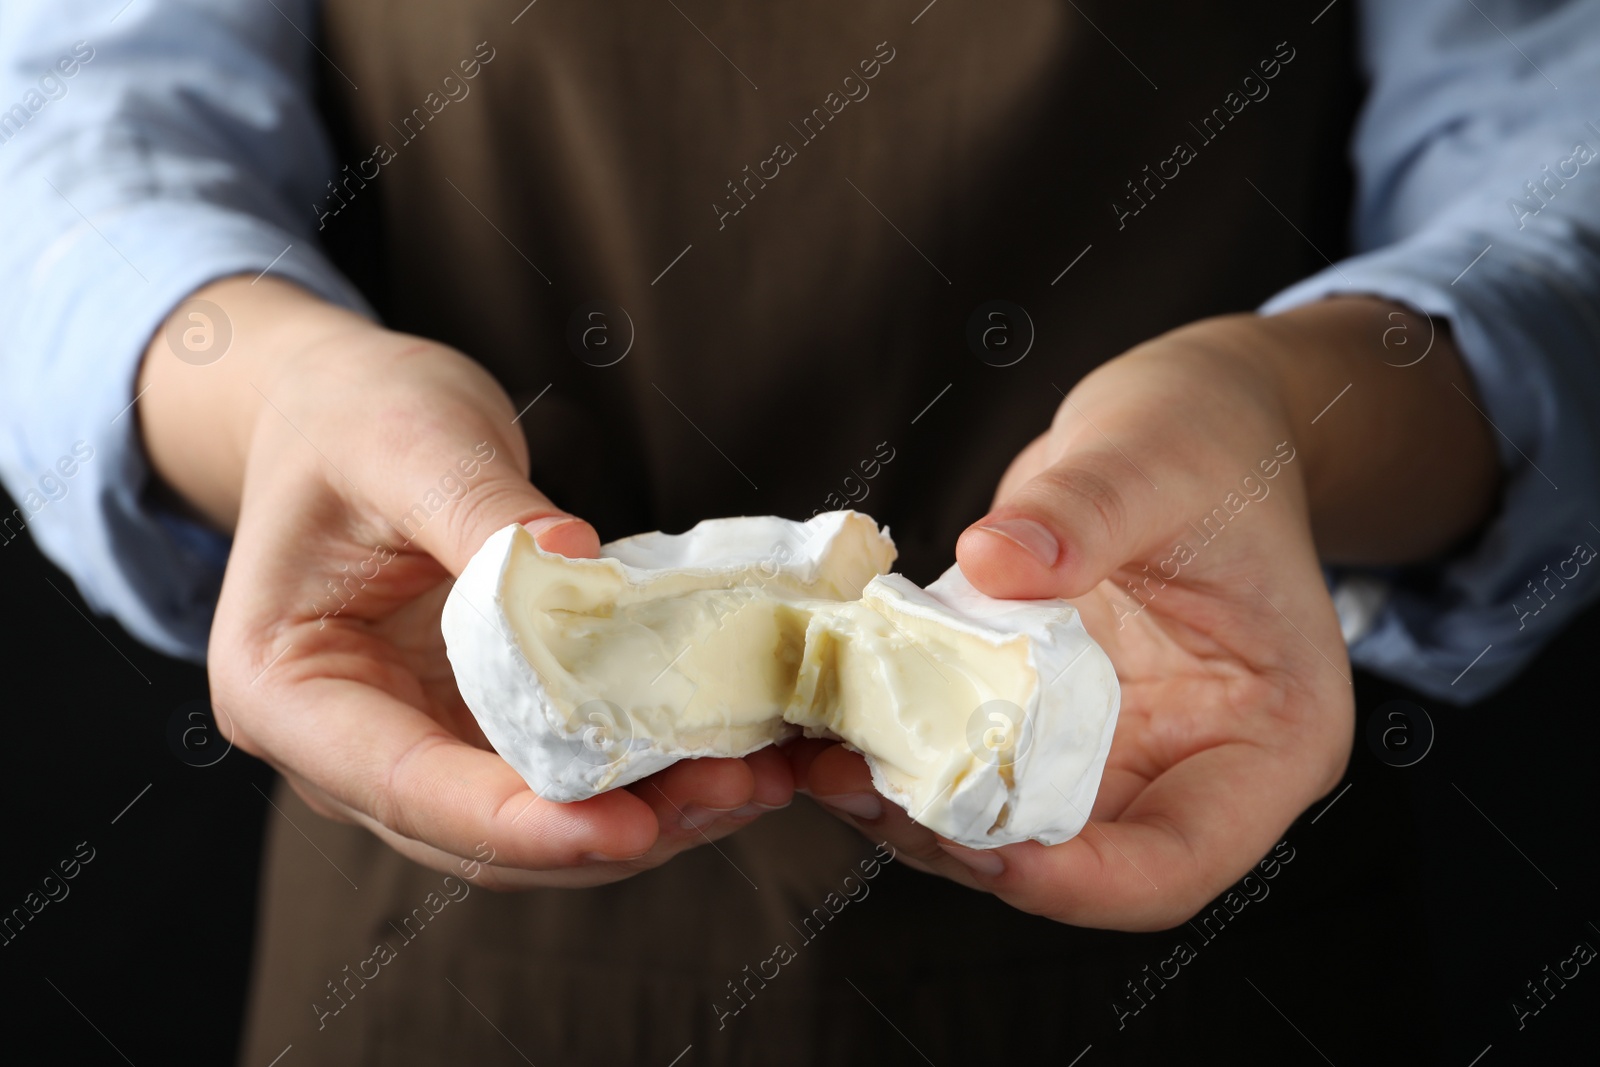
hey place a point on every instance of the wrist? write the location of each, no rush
(1399, 464)
(199, 409)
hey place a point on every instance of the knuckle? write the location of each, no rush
(921, 850)
(230, 709)
(1075, 491)
(480, 505)
(387, 805)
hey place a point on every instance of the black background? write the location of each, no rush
(1401, 931)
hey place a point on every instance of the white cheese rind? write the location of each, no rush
(506, 694)
(1068, 718)
(927, 669)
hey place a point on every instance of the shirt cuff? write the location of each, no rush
(1462, 626)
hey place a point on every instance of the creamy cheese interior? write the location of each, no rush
(708, 663)
(917, 694)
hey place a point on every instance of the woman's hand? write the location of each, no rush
(1180, 499)
(359, 470)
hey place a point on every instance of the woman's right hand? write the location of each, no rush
(359, 469)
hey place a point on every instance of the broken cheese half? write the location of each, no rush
(987, 720)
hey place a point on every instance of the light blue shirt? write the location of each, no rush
(148, 148)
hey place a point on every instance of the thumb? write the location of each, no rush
(496, 494)
(1062, 532)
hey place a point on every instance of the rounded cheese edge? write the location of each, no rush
(1073, 719)
(509, 701)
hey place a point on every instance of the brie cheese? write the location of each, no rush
(987, 720)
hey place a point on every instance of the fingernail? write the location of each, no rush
(1033, 538)
(601, 857)
(754, 808)
(988, 864)
(695, 816)
(539, 527)
(861, 805)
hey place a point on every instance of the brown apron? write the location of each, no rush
(777, 258)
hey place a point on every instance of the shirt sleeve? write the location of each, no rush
(1478, 170)
(146, 149)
